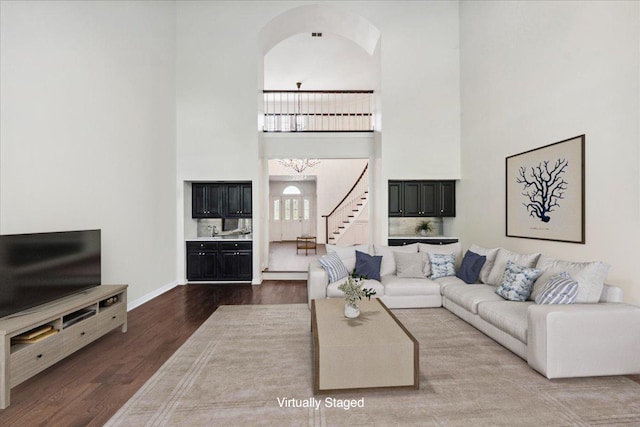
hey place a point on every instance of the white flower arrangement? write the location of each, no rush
(353, 290)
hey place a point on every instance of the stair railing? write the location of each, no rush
(344, 211)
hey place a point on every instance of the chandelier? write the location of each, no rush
(298, 165)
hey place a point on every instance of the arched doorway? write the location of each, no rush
(352, 46)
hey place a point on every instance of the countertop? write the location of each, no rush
(241, 237)
(418, 236)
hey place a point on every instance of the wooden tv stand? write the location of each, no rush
(79, 320)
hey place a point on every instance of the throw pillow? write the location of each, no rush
(367, 266)
(334, 267)
(488, 265)
(451, 248)
(470, 268)
(560, 289)
(503, 256)
(442, 265)
(517, 282)
(388, 265)
(589, 275)
(408, 264)
(348, 254)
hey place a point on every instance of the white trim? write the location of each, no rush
(285, 275)
(151, 295)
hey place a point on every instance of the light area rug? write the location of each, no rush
(239, 365)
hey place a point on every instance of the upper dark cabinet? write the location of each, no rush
(238, 200)
(221, 200)
(206, 200)
(447, 198)
(422, 198)
(395, 198)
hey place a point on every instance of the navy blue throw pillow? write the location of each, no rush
(470, 268)
(367, 265)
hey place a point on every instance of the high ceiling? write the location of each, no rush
(320, 63)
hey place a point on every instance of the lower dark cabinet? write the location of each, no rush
(409, 241)
(219, 261)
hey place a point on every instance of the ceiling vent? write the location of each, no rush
(316, 34)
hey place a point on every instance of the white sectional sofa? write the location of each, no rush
(599, 337)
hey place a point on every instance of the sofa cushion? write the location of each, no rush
(407, 286)
(468, 297)
(470, 267)
(409, 265)
(447, 281)
(504, 256)
(334, 292)
(589, 275)
(367, 266)
(388, 265)
(488, 265)
(451, 248)
(508, 316)
(560, 289)
(442, 265)
(334, 266)
(517, 282)
(348, 254)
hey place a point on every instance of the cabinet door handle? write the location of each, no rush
(39, 356)
(81, 334)
(113, 317)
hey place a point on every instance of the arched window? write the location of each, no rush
(291, 189)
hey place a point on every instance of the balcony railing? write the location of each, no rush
(318, 111)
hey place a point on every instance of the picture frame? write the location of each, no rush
(545, 192)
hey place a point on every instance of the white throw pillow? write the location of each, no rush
(451, 248)
(408, 264)
(589, 275)
(503, 257)
(348, 254)
(488, 265)
(388, 265)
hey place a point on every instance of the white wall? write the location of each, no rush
(534, 73)
(87, 131)
(219, 82)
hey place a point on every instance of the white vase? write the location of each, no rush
(423, 232)
(350, 311)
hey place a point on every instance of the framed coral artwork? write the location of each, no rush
(545, 192)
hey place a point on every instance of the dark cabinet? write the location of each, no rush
(236, 261)
(206, 200)
(237, 200)
(422, 198)
(221, 200)
(202, 261)
(447, 198)
(402, 242)
(219, 261)
(395, 198)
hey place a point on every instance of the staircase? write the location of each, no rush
(344, 215)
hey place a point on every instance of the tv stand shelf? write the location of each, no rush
(34, 339)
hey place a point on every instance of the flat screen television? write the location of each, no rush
(41, 267)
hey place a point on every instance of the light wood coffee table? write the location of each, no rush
(373, 351)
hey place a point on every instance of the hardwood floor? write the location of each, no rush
(88, 387)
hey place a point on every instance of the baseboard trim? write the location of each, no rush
(284, 275)
(151, 295)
